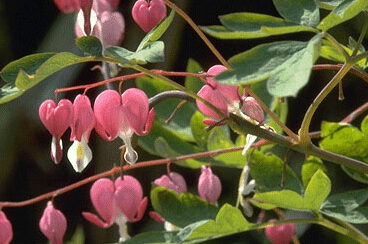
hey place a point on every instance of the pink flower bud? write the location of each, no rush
(53, 224)
(174, 182)
(110, 29)
(281, 234)
(67, 6)
(6, 230)
(129, 198)
(56, 119)
(123, 116)
(209, 185)
(252, 109)
(148, 15)
(107, 5)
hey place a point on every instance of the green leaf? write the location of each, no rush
(157, 32)
(229, 220)
(199, 130)
(152, 53)
(316, 192)
(347, 206)
(267, 171)
(152, 237)
(183, 209)
(346, 10)
(219, 140)
(90, 45)
(304, 12)
(9, 92)
(252, 25)
(311, 165)
(329, 4)
(193, 83)
(274, 62)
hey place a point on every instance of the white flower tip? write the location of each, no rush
(79, 155)
(250, 140)
(131, 156)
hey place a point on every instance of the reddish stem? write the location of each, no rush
(113, 171)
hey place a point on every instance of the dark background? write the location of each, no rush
(26, 170)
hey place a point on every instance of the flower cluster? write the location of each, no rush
(114, 115)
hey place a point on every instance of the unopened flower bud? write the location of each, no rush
(281, 234)
(209, 185)
(6, 230)
(173, 181)
(148, 14)
(252, 109)
(53, 224)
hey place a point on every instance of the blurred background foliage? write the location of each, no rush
(26, 169)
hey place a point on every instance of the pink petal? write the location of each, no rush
(135, 107)
(213, 71)
(67, 6)
(108, 114)
(149, 122)
(148, 15)
(58, 118)
(281, 234)
(156, 216)
(174, 182)
(95, 220)
(53, 224)
(102, 196)
(84, 118)
(6, 230)
(214, 97)
(111, 30)
(209, 185)
(128, 196)
(252, 109)
(141, 209)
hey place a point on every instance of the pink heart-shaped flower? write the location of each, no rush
(148, 15)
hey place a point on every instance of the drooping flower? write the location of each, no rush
(148, 14)
(56, 119)
(6, 230)
(122, 116)
(281, 234)
(117, 203)
(173, 181)
(209, 185)
(79, 154)
(224, 97)
(68, 6)
(252, 109)
(53, 224)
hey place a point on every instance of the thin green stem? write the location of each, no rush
(199, 32)
(304, 129)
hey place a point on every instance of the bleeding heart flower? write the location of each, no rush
(6, 230)
(209, 185)
(224, 97)
(56, 119)
(119, 203)
(148, 14)
(252, 109)
(53, 224)
(123, 116)
(173, 181)
(79, 154)
(281, 234)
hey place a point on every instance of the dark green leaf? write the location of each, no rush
(157, 32)
(347, 206)
(183, 209)
(304, 12)
(229, 220)
(152, 53)
(193, 83)
(199, 130)
(316, 192)
(267, 171)
(346, 10)
(252, 25)
(329, 4)
(90, 45)
(274, 61)
(311, 165)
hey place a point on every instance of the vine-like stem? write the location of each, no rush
(199, 32)
(114, 171)
(355, 71)
(304, 128)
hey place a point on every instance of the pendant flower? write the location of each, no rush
(79, 154)
(53, 224)
(281, 234)
(209, 185)
(122, 116)
(173, 181)
(117, 203)
(148, 14)
(6, 230)
(56, 119)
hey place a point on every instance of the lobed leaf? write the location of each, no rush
(90, 45)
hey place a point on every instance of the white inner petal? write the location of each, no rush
(130, 154)
(121, 221)
(79, 154)
(53, 148)
(250, 140)
(80, 20)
